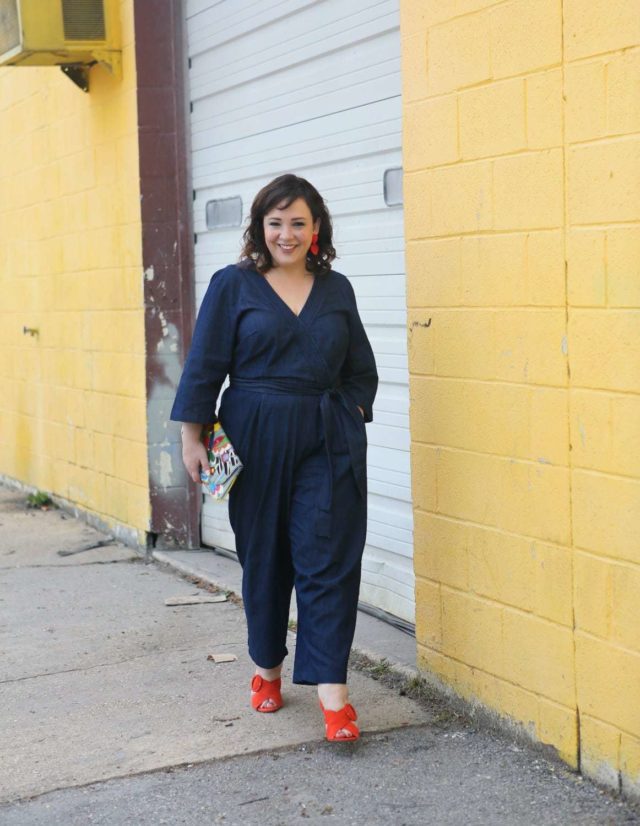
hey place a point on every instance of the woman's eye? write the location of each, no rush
(276, 224)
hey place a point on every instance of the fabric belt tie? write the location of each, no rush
(288, 387)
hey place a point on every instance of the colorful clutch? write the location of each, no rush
(224, 463)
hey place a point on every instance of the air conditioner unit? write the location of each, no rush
(59, 33)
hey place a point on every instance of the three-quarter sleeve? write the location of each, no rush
(210, 355)
(358, 376)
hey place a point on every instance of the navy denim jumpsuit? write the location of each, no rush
(299, 507)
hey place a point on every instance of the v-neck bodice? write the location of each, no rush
(246, 330)
(274, 294)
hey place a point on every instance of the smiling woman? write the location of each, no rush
(289, 233)
(285, 327)
(289, 224)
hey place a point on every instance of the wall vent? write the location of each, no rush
(83, 19)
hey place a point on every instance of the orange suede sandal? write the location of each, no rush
(335, 721)
(266, 690)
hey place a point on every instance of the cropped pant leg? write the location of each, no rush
(327, 568)
(258, 504)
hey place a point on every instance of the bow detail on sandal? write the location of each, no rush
(265, 690)
(341, 720)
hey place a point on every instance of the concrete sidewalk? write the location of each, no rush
(104, 688)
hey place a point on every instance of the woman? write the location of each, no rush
(285, 327)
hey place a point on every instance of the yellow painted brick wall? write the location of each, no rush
(522, 205)
(72, 398)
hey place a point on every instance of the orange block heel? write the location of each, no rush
(266, 690)
(345, 719)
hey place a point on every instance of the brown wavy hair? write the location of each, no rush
(282, 192)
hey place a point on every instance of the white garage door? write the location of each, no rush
(313, 87)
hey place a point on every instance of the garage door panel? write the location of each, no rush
(374, 60)
(242, 168)
(392, 375)
(324, 28)
(389, 340)
(350, 249)
(383, 457)
(270, 97)
(254, 125)
(372, 316)
(389, 400)
(384, 574)
(389, 490)
(379, 279)
(300, 145)
(272, 102)
(385, 561)
(380, 588)
(387, 600)
(205, 8)
(393, 476)
(384, 228)
(385, 422)
(387, 436)
(338, 129)
(397, 562)
(228, 21)
(273, 40)
(341, 128)
(215, 522)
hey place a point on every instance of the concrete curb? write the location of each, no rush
(166, 558)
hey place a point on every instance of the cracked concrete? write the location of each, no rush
(99, 678)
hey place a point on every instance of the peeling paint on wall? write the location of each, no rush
(168, 342)
(165, 475)
(167, 259)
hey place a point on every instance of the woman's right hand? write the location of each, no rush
(194, 453)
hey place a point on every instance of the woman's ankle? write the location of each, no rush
(269, 673)
(333, 696)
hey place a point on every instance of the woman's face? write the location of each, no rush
(288, 233)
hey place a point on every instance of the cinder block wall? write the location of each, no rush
(72, 397)
(522, 203)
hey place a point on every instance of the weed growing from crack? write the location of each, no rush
(40, 500)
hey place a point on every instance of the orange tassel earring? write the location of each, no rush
(314, 249)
